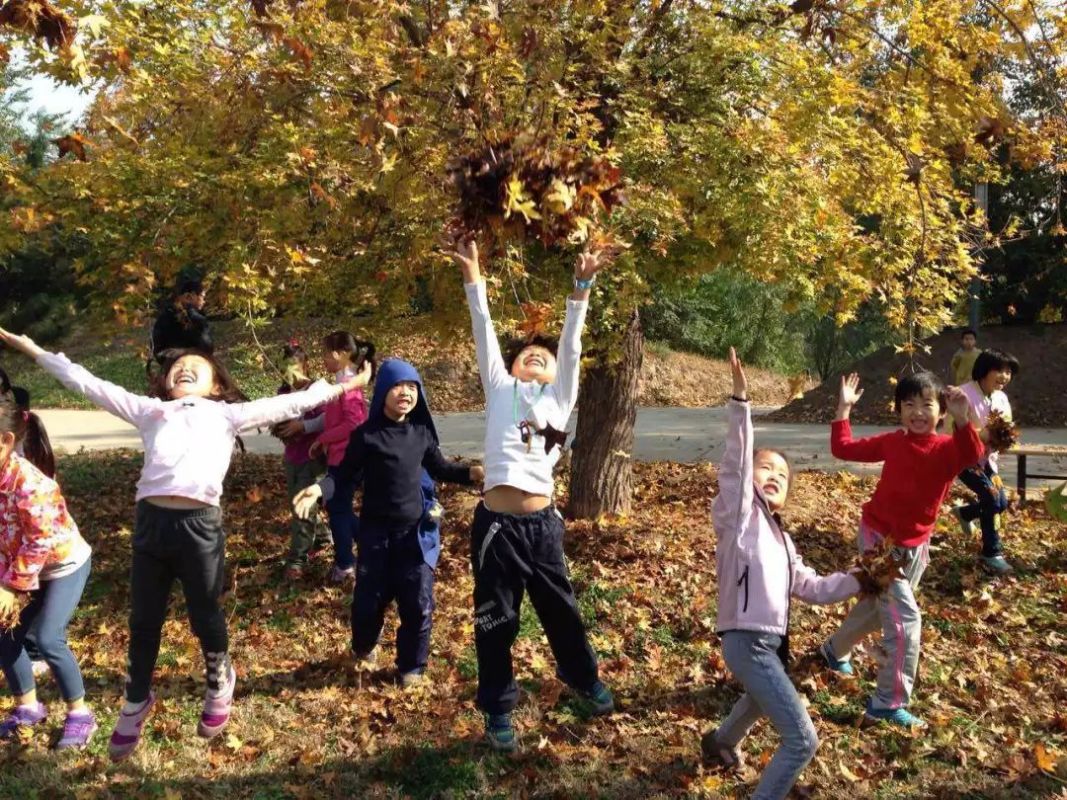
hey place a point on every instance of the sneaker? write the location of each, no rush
(997, 565)
(217, 706)
(293, 572)
(499, 733)
(342, 575)
(598, 699)
(409, 680)
(78, 729)
(22, 717)
(839, 665)
(966, 525)
(127, 731)
(714, 752)
(367, 659)
(894, 716)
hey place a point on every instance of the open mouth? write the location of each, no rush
(535, 361)
(185, 379)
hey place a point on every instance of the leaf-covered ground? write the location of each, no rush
(308, 726)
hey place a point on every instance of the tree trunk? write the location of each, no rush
(601, 466)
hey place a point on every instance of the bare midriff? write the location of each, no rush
(175, 501)
(510, 500)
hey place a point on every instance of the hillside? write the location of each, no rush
(1038, 394)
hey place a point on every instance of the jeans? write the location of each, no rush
(344, 525)
(391, 567)
(44, 624)
(511, 554)
(305, 534)
(990, 503)
(169, 544)
(896, 613)
(753, 659)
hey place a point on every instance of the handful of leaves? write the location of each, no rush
(10, 614)
(521, 187)
(878, 568)
(1003, 433)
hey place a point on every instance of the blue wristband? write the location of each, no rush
(584, 285)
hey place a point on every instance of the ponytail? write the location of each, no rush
(359, 351)
(30, 433)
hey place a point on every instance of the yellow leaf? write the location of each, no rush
(517, 201)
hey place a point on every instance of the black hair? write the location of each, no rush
(30, 433)
(21, 397)
(993, 361)
(190, 286)
(228, 391)
(788, 462)
(5, 382)
(293, 350)
(358, 351)
(969, 332)
(515, 347)
(915, 385)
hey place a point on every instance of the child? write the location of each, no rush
(308, 536)
(919, 467)
(188, 435)
(517, 534)
(397, 552)
(42, 555)
(992, 371)
(759, 570)
(344, 356)
(963, 359)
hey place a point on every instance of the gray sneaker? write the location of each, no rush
(717, 753)
(997, 565)
(366, 660)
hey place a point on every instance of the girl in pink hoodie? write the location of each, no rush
(344, 356)
(759, 571)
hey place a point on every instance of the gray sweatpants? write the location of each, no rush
(896, 613)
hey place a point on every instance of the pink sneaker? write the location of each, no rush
(127, 731)
(218, 704)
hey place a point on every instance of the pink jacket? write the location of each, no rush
(758, 564)
(342, 417)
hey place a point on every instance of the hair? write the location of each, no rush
(914, 385)
(993, 361)
(228, 390)
(358, 350)
(30, 433)
(515, 347)
(969, 332)
(5, 382)
(788, 463)
(293, 350)
(190, 286)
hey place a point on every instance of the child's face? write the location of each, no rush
(968, 341)
(191, 376)
(534, 363)
(770, 472)
(400, 400)
(996, 380)
(7, 447)
(921, 413)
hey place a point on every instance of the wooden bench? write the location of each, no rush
(1022, 451)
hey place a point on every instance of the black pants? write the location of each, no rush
(509, 554)
(171, 544)
(391, 567)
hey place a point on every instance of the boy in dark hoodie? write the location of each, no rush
(396, 456)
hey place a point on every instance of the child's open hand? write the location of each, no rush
(464, 251)
(737, 370)
(850, 391)
(305, 502)
(588, 265)
(360, 380)
(20, 344)
(957, 404)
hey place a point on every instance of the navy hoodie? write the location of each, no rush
(389, 457)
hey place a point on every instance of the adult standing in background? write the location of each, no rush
(181, 324)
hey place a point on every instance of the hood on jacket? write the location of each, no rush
(391, 372)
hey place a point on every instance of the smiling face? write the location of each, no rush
(534, 363)
(770, 472)
(996, 380)
(400, 400)
(920, 413)
(191, 376)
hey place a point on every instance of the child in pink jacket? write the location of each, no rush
(759, 571)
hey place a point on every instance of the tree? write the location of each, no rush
(302, 149)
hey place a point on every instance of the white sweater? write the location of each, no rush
(509, 401)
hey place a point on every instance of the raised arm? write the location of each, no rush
(842, 445)
(491, 365)
(569, 355)
(113, 399)
(732, 507)
(270, 410)
(967, 446)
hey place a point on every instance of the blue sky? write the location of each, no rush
(52, 97)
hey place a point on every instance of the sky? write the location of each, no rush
(44, 93)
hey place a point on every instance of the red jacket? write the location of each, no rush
(342, 417)
(915, 478)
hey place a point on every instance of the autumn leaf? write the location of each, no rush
(299, 50)
(73, 143)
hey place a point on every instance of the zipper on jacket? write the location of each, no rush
(744, 579)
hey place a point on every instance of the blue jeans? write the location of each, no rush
(44, 623)
(753, 659)
(990, 503)
(344, 525)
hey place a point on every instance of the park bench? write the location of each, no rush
(1022, 452)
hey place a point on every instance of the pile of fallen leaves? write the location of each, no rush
(309, 725)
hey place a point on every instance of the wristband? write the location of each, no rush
(584, 285)
(739, 399)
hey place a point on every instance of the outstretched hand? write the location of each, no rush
(850, 391)
(957, 404)
(589, 263)
(20, 344)
(360, 380)
(737, 371)
(464, 251)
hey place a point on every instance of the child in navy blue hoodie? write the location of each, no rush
(396, 456)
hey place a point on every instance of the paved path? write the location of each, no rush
(677, 434)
